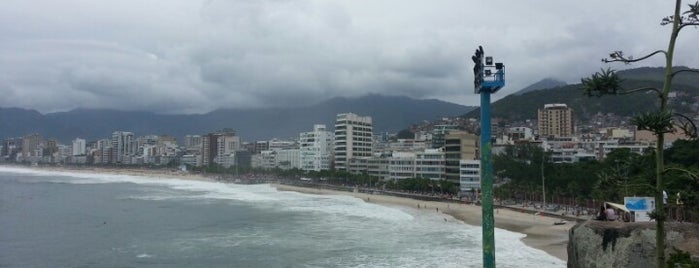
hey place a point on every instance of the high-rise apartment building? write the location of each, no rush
(122, 147)
(555, 120)
(353, 138)
(10, 148)
(459, 145)
(78, 146)
(192, 143)
(316, 148)
(31, 145)
(220, 147)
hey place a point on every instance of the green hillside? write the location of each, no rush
(520, 107)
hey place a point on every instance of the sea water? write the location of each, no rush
(64, 219)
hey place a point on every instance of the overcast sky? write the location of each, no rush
(189, 56)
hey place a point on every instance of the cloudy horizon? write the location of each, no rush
(176, 56)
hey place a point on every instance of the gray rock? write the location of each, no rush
(620, 244)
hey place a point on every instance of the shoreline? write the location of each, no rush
(540, 231)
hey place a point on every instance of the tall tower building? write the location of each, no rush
(555, 120)
(79, 146)
(31, 145)
(122, 146)
(219, 147)
(316, 148)
(353, 138)
(459, 145)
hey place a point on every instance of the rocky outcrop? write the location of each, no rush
(621, 244)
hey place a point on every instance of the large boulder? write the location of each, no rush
(623, 244)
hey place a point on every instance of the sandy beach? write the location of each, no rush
(540, 231)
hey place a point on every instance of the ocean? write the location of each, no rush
(64, 219)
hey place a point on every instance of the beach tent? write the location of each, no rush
(626, 215)
(618, 206)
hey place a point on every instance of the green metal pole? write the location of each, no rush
(487, 184)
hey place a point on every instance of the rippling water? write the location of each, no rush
(63, 219)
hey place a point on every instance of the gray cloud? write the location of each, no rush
(177, 56)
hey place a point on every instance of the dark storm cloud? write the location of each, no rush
(180, 56)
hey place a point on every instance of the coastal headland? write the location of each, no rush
(541, 231)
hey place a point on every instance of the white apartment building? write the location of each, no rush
(378, 167)
(78, 147)
(469, 175)
(265, 159)
(574, 149)
(429, 164)
(218, 147)
(191, 159)
(316, 148)
(288, 159)
(401, 165)
(353, 138)
(122, 147)
(227, 146)
(277, 144)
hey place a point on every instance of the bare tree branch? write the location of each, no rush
(687, 126)
(618, 56)
(631, 91)
(686, 172)
(687, 24)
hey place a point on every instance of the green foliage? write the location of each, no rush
(658, 122)
(405, 134)
(621, 173)
(681, 259)
(684, 152)
(602, 83)
(693, 12)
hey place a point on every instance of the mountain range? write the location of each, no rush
(546, 83)
(389, 113)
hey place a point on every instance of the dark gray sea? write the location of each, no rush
(63, 219)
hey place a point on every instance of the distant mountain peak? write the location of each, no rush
(546, 83)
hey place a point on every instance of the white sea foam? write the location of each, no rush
(455, 243)
(342, 205)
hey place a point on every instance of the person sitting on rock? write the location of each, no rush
(601, 214)
(609, 213)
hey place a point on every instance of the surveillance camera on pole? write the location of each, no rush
(487, 76)
(487, 79)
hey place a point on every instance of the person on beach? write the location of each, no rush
(610, 214)
(601, 214)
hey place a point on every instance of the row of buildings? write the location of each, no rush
(556, 134)
(443, 151)
(350, 146)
